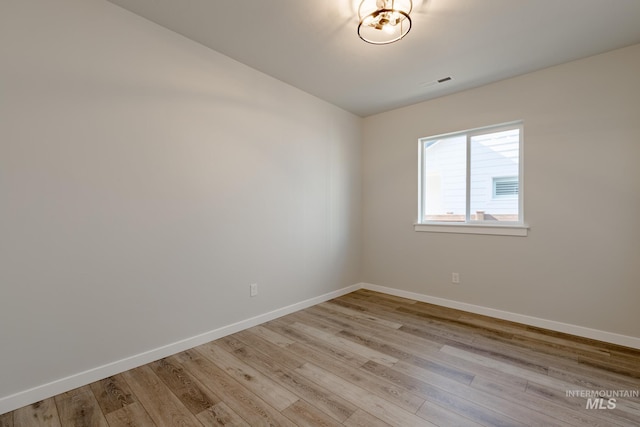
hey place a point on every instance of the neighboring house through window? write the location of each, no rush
(472, 177)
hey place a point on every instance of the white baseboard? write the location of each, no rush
(567, 328)
(27, 397)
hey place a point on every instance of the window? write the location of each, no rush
(472, 178)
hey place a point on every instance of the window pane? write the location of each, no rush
(444, 179)
(494, 176)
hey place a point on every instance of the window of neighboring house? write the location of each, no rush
(506, 187)
(472, 179)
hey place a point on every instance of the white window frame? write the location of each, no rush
(471, 226)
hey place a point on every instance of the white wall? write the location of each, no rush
(580, 263)
(146, 181)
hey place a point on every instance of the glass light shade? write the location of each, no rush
(384, 21)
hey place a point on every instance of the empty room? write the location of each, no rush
(319, 213)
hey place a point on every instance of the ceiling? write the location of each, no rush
(313, 44)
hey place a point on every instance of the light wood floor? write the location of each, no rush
(364, 359)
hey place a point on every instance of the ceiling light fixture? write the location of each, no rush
(384, 21)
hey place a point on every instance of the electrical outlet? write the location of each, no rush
(455, 278)
(253, 289)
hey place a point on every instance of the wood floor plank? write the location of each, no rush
(442, 325)
(346, 321)
(595, 357)
(112, 393)
(588, 379)
(575, 339)
(561, 367)
(259, 343)
(338, 321)
(513, 329)
(440, 391)
(517, 410)
(612, 368)
(628, 409)
(433, 332)
(131, 415)
(408, 342)
(252, 408)
(365, 305)
(370, 403)
(428, 356)
(375, 306)
(184, 386)
(321, 346)
(270, 336)
(449, 320)
(79, 407)
(363, 379)
(440, 416)
(617, 351)
(431, 311)
(325, 400)
(6, 420)
(41, 414)
(506, 367)
(164, 408)
(558, 385)
(525, 351)
(400, 354)
(372, 295)
(361, 350)
(272, 393)
(555, 409)
(358, 316)
(221, 415)
(430, 329)
(549, 342)
(319, 324)
(230, 343)
(306, 415)
(611, 417)
(364, 419)
(358, 297)
(518, 360)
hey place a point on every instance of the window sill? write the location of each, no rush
(496, 230)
